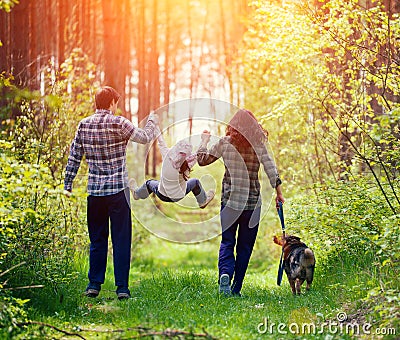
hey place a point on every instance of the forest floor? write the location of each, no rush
(175, 295)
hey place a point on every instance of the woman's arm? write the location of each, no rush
(272, 173)
(205, 156)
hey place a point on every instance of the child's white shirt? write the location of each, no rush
(172, 184)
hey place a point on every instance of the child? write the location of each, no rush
(174, 183)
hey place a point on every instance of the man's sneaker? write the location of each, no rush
(224, 287)
(210, 196)
(123, 293)
(92, 293)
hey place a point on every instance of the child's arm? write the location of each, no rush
(161, 144)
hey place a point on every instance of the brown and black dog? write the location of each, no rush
(298, 261)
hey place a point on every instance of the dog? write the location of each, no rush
(298, 261)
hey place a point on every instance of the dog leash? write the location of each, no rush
(282, 219)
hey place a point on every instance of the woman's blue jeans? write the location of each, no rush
(239, 229)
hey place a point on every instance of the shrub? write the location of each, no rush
(353, 231)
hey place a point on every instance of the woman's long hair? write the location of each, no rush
(244, 130)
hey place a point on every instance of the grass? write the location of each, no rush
(174, 287)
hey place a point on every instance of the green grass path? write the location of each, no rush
(174, 287)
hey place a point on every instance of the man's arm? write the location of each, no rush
(138, 135)
(74, 161)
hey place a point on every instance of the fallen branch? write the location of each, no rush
(28, 323)
(10, 269)
(23, 287)
(146, 332)
(170, 333)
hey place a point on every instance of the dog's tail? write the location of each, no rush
(309, 256)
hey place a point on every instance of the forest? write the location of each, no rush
(322, 77)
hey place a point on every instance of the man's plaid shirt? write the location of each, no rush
(103, 138)
(240, 185)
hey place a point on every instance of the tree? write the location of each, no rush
(318, 73)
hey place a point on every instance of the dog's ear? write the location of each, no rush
(290, 239)
(277, 240)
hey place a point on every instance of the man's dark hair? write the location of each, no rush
(105, 96)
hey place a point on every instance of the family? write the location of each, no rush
(103, 137)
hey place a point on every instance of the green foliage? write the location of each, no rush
(351, 229)
(12, 314)
(38, 226)
(283, 70)
(7, 5)
(46, 124)
(321, 80)
(41, 229)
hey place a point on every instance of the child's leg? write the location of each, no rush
(147, 188)
(194, 185)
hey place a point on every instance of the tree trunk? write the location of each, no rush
(154, 79)
(115, 56)
(167, 53)
(20, 43)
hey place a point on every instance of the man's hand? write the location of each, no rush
(153, 117)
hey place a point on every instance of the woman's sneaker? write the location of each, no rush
(224, 287)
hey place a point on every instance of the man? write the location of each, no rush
(102, 138)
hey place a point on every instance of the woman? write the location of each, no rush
(174, 183)
(242, 150)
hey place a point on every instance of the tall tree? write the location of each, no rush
(116, 53)
(20, 43)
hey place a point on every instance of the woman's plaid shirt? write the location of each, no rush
(240, 185)
(103, 138)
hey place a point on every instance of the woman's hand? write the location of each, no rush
(205, 137)
(279, 196)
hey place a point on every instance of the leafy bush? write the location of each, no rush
(40, 228)
(12, 314)
(354, 232)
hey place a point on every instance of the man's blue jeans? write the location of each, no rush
(192, 185)
(245, 224)
(101, 210)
